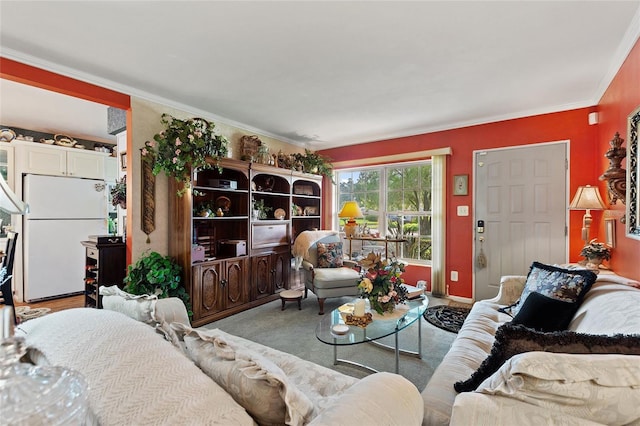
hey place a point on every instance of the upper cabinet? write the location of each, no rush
(59, 161)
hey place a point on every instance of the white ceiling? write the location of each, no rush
(330, 73)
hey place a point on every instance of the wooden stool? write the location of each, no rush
(291, 296)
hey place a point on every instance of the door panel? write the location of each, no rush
(262, 277)
(520, 193)
(236, 283)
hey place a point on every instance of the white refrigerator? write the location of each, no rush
(63, 212)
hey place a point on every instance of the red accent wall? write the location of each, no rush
(620, 99)
(587, 162)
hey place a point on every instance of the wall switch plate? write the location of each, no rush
(463, 210)
(454, 275)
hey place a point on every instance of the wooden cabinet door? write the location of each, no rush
(262, 276)
(208, 291)
(281, 263)
(235, 283)
(85, 164)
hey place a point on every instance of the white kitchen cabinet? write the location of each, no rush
(60, 161)
(85, 164)
(111, 169)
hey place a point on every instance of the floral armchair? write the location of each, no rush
(326, 272)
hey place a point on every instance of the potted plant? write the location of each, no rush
(156, 274)
(183, 146)
(260, 211)
(595, 253)
(312, 162)
(119, 193)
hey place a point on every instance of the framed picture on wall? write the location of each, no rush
(123, 160)
(610, 232)
(461, 185)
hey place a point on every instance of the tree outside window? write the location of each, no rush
(396, 202)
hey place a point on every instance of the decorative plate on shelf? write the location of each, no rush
(279, 214)
(63, 140)
(223, 203)
(7, 135)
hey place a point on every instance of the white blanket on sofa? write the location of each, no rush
(130, 387)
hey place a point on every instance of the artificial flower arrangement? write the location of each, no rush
(381, 283)
(596, 250)
(184, 145)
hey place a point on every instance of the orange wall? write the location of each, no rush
(587, 162)
(620, 99)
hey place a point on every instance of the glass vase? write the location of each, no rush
(32, 395)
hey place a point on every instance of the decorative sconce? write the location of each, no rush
(615, 175)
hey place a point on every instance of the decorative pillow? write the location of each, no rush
(140, 308)
(554, 282)
(544, 313)
(512, 339)
(255, 382)
(329, 255)
(600, 388)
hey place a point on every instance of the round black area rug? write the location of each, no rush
(446, 317)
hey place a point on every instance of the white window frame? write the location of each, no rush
(382, 200)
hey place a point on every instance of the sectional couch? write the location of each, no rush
(542, 383)
(145, 365)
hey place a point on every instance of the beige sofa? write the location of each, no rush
(542, 387)
(137, 376)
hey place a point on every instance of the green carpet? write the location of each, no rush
(293, 331)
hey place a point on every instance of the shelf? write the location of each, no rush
(211, 189)
(305, 217)
(311, 197)
(221, 218)
(270, 194)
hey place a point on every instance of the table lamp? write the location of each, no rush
(350, 210)
(587, 198)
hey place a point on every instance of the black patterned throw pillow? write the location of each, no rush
(556, 283)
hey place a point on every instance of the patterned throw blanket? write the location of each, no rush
(305, 240)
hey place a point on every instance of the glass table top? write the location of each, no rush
(381, 326)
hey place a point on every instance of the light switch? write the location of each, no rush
(463, 210)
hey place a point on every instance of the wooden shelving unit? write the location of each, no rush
(232, 260)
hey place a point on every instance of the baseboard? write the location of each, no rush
(461, 299)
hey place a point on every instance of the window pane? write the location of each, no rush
(394, 179)
(406, 215)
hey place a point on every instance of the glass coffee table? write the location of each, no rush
(382, 326)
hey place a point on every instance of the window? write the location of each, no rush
(396, 203)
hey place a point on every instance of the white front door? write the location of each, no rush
(521, 198)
